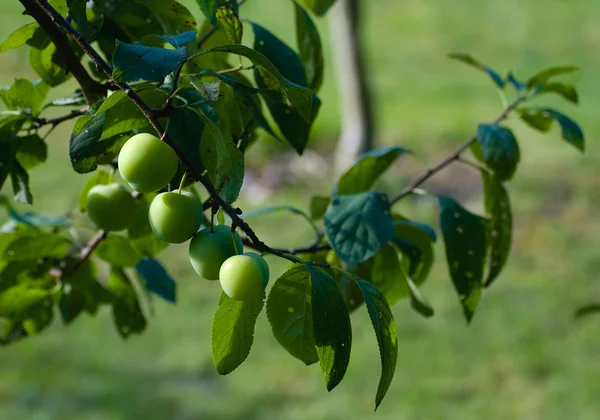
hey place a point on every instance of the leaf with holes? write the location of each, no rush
(367, 169)
(127, 313)
(230, 24)
(211, 7)
(156, 279)
(385, 330)
(290, 314)
(233, 332)
(497, 147)
(497, 206)
(465, 239)
(331, 327)
(358, 225)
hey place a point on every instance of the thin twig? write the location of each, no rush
(40, 122)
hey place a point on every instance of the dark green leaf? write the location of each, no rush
(318, 7)
(385, 330)
(47, 63)
(176, 41)
(517, 84)
(566, 90)
(31, 151)
(157, 280)
(173, 16)
(82, 292)
(85, 145)
(465, 239)
(72, 303)
(98, 178)
(318, 206)
(415, 240)
(498, 149)
(387, 275)
(133, 62)
(185, 130)
(592, 309)
(543, 76)
(78, 10)
(536, 119)
(357, 226)
(11, 331)
(367, 170)
(310, 48)
(233, 332)
(22, 302)
(222, 149)
(290, 314)
(128, 316)
(20, 184)
(468, 59)
(331, 327)
(230, 24)
(118, 251)
(40, 321)
(571, 132)
(497, 206)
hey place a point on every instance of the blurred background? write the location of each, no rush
(523, 357)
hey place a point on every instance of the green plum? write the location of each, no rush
(147, 163)
(241, 278)
(264, 267)
(175, 217)
(110, 207)
(208, 250)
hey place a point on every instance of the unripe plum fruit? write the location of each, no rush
(264, 267)
(110, 207)
(147, 163)
(241, 278)
(208, 250)
(175, 217)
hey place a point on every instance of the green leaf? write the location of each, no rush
(22, 302)
(143, 240)
(536, 119)
(357, 226)
(98, 178)
(233, 332)
(591, 309)
(75, 99)
(85, 147)
(128, 316)
(40, 321)
(117, 251)
(290, 314)
(156, 279)
(318, 7)
(20, 37)
(571, 132)
(72, 303)
(566, 90)
(497, 206)
(208, 90)
(518, 85)
(25, 95)
(82, 292)
(318, 206)
(37, 245)
(230, 24)
(418, 302)
(385, 330)
(176, 41)
(310, 47)
(387, 275)
(211, 7)
(185, 130)
(78, 10)
(47, 63)
(173, 16)
(498, 149)
(367, 170)
(543, 76)
(20, 184)
(415, 240)
(331, 327)
(31, 151)
(465, 239)
(468, 59)
(133, 62)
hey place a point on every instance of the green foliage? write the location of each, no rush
(185, 90)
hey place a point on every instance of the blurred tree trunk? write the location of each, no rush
(354, 93)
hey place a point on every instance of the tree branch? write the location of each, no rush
(40, 122)
(92, 90)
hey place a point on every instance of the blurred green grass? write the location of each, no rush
(523, 357)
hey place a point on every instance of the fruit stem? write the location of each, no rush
(235, 247)
(183, 178)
